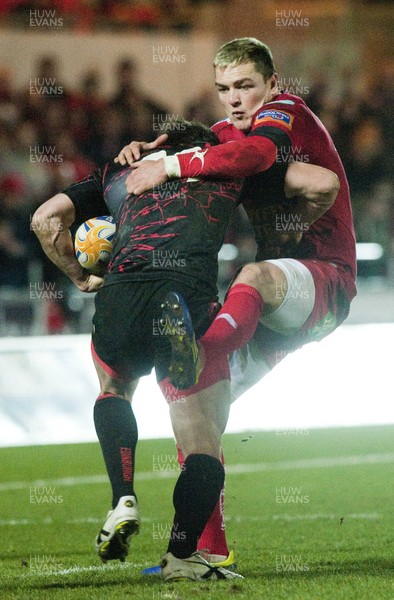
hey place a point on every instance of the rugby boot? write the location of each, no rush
(112, 543)
(228, 562)
(185, 365)
(195, 568)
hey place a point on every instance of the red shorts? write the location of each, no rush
(330, 309)
(333, 291)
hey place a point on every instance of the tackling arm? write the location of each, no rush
(51, 223)
(232, 159)
(316, 189)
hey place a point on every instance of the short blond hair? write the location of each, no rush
(245, 50)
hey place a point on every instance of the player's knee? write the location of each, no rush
(265, 277)
(112, 387)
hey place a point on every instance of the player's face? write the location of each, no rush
(242, 90)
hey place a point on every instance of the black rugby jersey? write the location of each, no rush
(178, 227)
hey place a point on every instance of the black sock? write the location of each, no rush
(195, 496)
(117, 432)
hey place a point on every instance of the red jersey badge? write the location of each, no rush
(274, 116)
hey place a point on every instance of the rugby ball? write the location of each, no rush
(93, 244)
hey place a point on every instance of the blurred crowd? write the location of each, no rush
(90, 15)
(51, 136)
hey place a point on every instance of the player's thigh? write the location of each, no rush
(199, 420)
(296, 299)
(122, 330)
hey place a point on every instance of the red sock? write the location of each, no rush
(213, 538)
(236, 322)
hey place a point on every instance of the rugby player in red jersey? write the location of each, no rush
(264, 126)
(306, 286)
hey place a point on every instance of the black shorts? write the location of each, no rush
(128, 339)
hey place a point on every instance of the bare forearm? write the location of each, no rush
(51, 223)
(57, 244)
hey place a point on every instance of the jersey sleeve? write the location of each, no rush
(277, 126)
(87, 197)
(226, 132)
(233, 159)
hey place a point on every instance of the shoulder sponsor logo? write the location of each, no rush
(274, 116)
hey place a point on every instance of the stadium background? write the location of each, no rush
(78, 80)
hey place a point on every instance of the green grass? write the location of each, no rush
(327, 538)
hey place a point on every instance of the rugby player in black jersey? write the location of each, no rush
(167, 239)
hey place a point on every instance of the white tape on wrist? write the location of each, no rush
(172, 167)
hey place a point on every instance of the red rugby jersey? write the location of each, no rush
(291, 127)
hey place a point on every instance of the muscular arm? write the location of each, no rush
(51, 224)
(279, 227)
(315, 187)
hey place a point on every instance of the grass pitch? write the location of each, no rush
(309, 514)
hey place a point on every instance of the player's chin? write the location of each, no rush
(242, 124)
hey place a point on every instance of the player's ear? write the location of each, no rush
(274, 81)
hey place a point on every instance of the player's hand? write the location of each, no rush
(146, 175)
(132, 152)
(91, 283)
